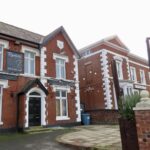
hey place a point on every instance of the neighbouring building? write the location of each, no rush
(38, 79)
(97, 91)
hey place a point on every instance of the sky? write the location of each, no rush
(86, 21)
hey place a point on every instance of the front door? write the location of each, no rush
(34, 111)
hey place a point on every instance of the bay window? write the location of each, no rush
(29, 63)
(61, 104)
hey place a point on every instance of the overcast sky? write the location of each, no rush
(86, 21)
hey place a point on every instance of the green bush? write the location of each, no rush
(126, 105)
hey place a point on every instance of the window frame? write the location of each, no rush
(134, 73)
(1, 67)
(29, 59)
(60, 98)
(60, 67)
(120, 67)
(142, 73)
(1, 103)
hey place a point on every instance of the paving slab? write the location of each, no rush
(93, 136)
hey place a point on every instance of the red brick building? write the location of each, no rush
(38, 79)
(95, 74)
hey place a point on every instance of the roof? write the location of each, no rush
(20, 33)
(30, 84)
(16, 32)
(107, 40)
(66, 36)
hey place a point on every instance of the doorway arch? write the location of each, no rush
(35, 111)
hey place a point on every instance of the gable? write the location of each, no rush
(57, 32)
(115, 40)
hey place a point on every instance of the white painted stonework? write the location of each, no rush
(77, 97)
(60, 44)
(43, 65)
(106, 80)
(43, 106)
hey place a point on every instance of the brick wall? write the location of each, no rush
(143, 128)
(101, 116)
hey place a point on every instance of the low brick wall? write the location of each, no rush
(143, 128)
(102, 116)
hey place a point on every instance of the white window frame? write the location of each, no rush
(1, 99)
(61, 117)
(63, 57)
(120, 67)
(29, 73)
(144, 80)
(134, 73)
(1, 67)
(59, 65)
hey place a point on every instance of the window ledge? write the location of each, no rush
(62, 118)
(1, 123)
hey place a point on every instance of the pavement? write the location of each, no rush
(38, 141)
(106, 137)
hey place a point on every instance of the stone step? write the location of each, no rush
(37, 129)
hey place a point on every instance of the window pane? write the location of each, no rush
(0, 61)
(62, 72)
(31, 66)
(0, 49)
(26, 54)
(58, 107)
(31, 55)
(26, 65)
(64, 107)
(63, 93)
(57, 71)
(58, 93)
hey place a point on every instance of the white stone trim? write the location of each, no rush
(4, 83)
(139, 64)
(30, 49)
(77, 92)
(58, 87)
(128, 68)
(64, 57)
(4, 43)
(106, 80)
(62, 118)
(43, 106)
(99, 51)
(43, 65)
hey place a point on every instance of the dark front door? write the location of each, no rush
(34, 111)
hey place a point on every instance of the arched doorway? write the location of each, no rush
(34, 109)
